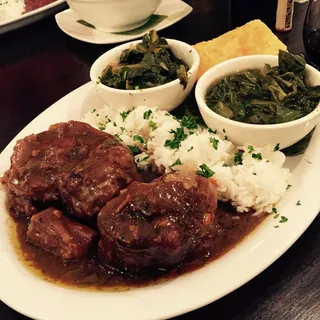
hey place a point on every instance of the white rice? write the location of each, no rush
(10, 9)
(256, 184)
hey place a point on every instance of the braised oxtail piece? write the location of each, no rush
(51, 231)
(71, 165)
(159, 224)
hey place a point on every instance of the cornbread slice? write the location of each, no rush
(252, 38)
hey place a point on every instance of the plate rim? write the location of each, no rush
(32, 13)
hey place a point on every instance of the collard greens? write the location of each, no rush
(268, 96)
(148, 64)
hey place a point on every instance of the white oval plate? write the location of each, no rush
(39, 299)
(67, 21)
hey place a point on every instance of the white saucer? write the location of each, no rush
(168, 13)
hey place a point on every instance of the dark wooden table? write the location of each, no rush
(39, 64)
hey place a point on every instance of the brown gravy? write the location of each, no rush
(89, 274)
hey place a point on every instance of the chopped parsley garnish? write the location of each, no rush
(118, 136)
(257, 156)
(97, 114)
(225, 137)
(224, 130)
(237, 160)
(212, 131)
(152, 125)
(189, 122)
(283, 219)
(143, 159)
(274, 210)
(134, 150)
(214, 142)
(254, 173)
(124, 114)
(298, 203)
(288, 186)
(276, 227)
(114, 124)
(138, 138)
(147, 114)
(93, 111)
(102, 126)
(178, 137)
(276, 216)
(205, 171)
(250, 149)
(176, 163)
(191, 148)
(277, 147)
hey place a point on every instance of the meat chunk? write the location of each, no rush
(71, 163)
(57, 234)
(158, 224)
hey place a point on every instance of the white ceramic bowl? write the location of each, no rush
(115, 15)
(166, 97)
(260, 135)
